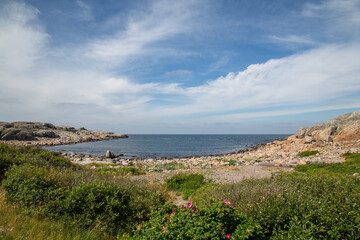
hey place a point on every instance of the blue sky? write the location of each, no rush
(179, 66)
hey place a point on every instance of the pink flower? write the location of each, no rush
(224, 200)
(174, 210)
(192, 210)
(163, 228)
(228, 236)
(190, 204)
(184, 207)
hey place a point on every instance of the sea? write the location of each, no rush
(158, 146)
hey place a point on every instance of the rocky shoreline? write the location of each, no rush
(47, 134)
(331, 139)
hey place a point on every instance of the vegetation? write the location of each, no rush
(350, 166)
(307, 153)
(47, 197)
(186, 183)
(54, 188)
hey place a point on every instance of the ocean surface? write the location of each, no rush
(169, 146)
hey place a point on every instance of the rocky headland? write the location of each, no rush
(46, 134)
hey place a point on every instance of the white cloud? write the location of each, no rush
(21, 43)
(161, 21)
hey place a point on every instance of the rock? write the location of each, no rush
(301, 132)
(9, 134)
(109, 154)
(309, 139)
(47, 134)
(24, 136)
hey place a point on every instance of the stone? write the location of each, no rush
(24, 136)
(109, 154)
(301, 132)
(9, 134)
(309, 139)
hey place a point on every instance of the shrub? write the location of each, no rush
(215, 221)
(96, 203)
(307, 153)
(319, 206)
(31, 186)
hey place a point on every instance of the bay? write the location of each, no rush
(170, 146)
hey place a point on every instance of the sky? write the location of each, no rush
(191, 67)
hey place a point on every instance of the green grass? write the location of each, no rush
(350, 166)
(307, 153)
(186, 183)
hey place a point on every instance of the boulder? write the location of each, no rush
(301, 132)
(109, 154)
(309, 139)
(24, 136)
(9, 134)
(47, 134)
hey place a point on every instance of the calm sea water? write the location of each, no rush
(170, 146)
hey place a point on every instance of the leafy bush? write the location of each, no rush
(96, 203)
(318, 206)
(215, 221)
(307, 153)
(31, 186)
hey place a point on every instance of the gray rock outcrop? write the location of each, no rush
(36, 133)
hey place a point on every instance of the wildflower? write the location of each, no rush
(184, 207)
(228, 236)
(166, 218)
(174, 210)
(225, 200)
(163, 228)
(190, 204)
(192, 210)
(196, 210)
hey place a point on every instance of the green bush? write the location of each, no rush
(307, 153)
(96, 203)
(31, 186)
(218, 220)
(319, 206)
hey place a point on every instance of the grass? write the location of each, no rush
(307, 153)
(350, 166)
